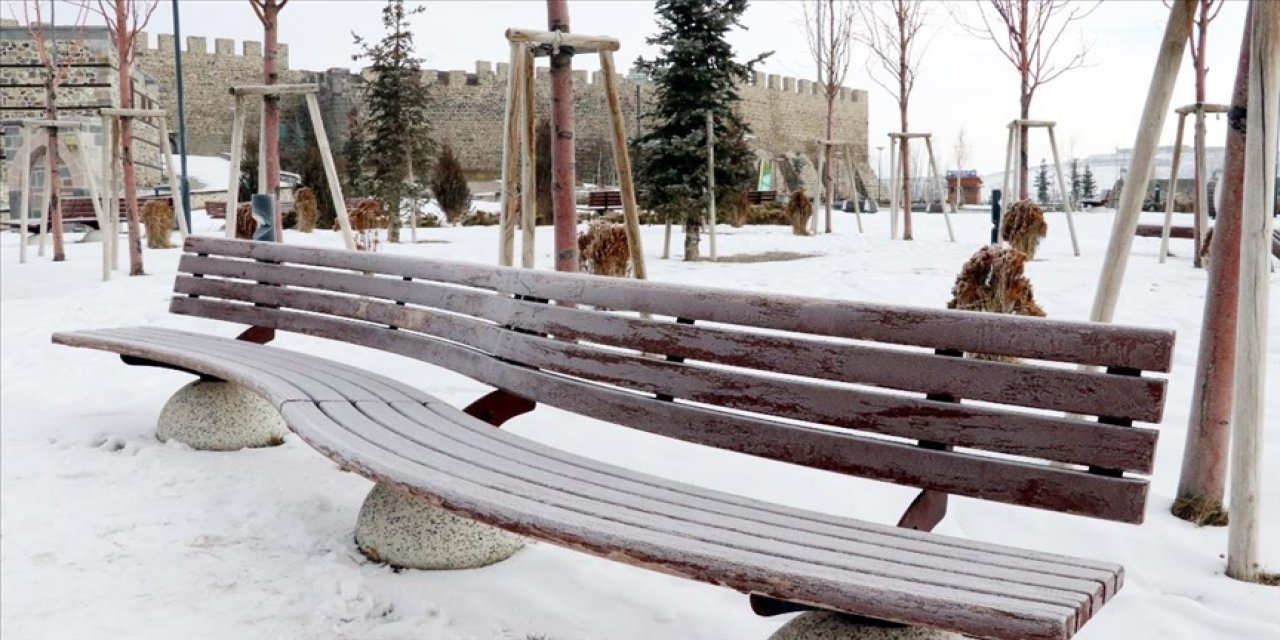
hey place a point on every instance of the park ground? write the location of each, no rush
(107, 533)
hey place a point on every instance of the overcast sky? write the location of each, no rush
(963, 83)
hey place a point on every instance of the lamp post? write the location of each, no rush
(182, 121)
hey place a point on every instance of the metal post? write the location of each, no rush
(182, 118)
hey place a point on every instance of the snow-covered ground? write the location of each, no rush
(107, 533)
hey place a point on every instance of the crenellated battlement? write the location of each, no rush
(198, 46)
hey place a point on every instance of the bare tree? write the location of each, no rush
(56, 69)
(1027, 33)
(829, 31)
(960, 148)
(892, 34)
(1207, 11)
(125, 20)
(268, 14)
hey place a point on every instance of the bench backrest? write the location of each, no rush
(604, 199)
(862, 389)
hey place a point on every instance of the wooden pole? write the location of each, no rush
(1255, 267)
(563, 169)
(893, 188)
(822, 187)
(1173, 189)
(711, 181)
(1202, 188)
(98, 211)
(24, 183)
(1066, 195)
(510, 159)
(114, 194)
(262, 148)
(529, 154)
(330, 175)
(1004, 185)
(622, 162)
(1163, 79)
(174, 180)
(937, 185)
(233, 182)
(857, 197)
(113, 210)
(1203, 480)
(50, 178)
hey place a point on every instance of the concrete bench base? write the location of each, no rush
(824, 625)
(220, 416)
(404, 531)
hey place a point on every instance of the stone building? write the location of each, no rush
(91, 84)
(466, 108)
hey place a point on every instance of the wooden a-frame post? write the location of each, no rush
(519, 148)
(895, 162)
(1201, 196)
(308, 91)
(1016, 127)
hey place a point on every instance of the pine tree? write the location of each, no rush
(397, 127)
(1075, 182)
(1087, 185)
(693, 74)
(1042, 183)
(353, 156)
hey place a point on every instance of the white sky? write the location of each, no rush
(964, 82)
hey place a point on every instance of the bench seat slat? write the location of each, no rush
(981, 615)
(1064, 341)
(961, 425)
(1078, 392)
(960, 473)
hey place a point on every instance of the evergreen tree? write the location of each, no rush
(397, 129)
(1087, 184)
(693, 74)
(1042, 183)
(1075, 182)
(353, 156)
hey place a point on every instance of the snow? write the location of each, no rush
(107, 533)
(205, 172)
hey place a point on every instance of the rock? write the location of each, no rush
(825, 625)
(404, 531)
(220, 416)
(93, 235)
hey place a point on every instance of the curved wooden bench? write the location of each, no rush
(463, 317)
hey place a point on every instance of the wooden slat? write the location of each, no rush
(884, 598)
(1038, 338)
(1047, 437)
(1054, 389)
(957, 473)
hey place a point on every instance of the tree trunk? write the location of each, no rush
(692, 235)
(1204, 460)
(829, 192)
(270, 153)
(54, 206)
(903, 148)
(1201, 71)
(125, 57)
(1024, 184)
(563, 178)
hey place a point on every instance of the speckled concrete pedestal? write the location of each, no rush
(220, 416)
(824, 625)
(93, 235)
(403, 531)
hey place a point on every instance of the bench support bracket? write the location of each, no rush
(497, 407)
(257, 335)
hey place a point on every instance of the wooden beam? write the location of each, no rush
(50, 124)
(1204, 107)
(1173, 186)
(1062, 188)
(937, 183)
(1032, 123)
(24, 183)
(132, 113)
(233, 181)
(529, 164)
(909, 135)
(578, 42)
(330, 174)
(272, 89)
(510, 159)
(622, 162)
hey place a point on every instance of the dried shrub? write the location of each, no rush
(738, 208)
(768, 213)
(246, 225)
(430, 220)
(1023, 226)
(799, 210)
(992, 281)
(157, 215)
(367, 219)
(603, 249)
(307, 209)
(479, 219)
(449, 185)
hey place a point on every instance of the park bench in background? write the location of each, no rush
(762, 197)
(217, 209)
(602, 201)
(875, 391)
(79, 210)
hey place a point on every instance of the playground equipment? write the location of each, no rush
(1202, 190)
(518, 147)
(895, 166)
(260, 91)
(1013, 176)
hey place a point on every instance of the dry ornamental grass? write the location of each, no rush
(604, 250)
(157, 215)
(1023, 226)
(307, 210)
(992, 281)
(246, 225)
(799, 210)
(366, 220)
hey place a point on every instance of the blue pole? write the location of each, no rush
(182, 117)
